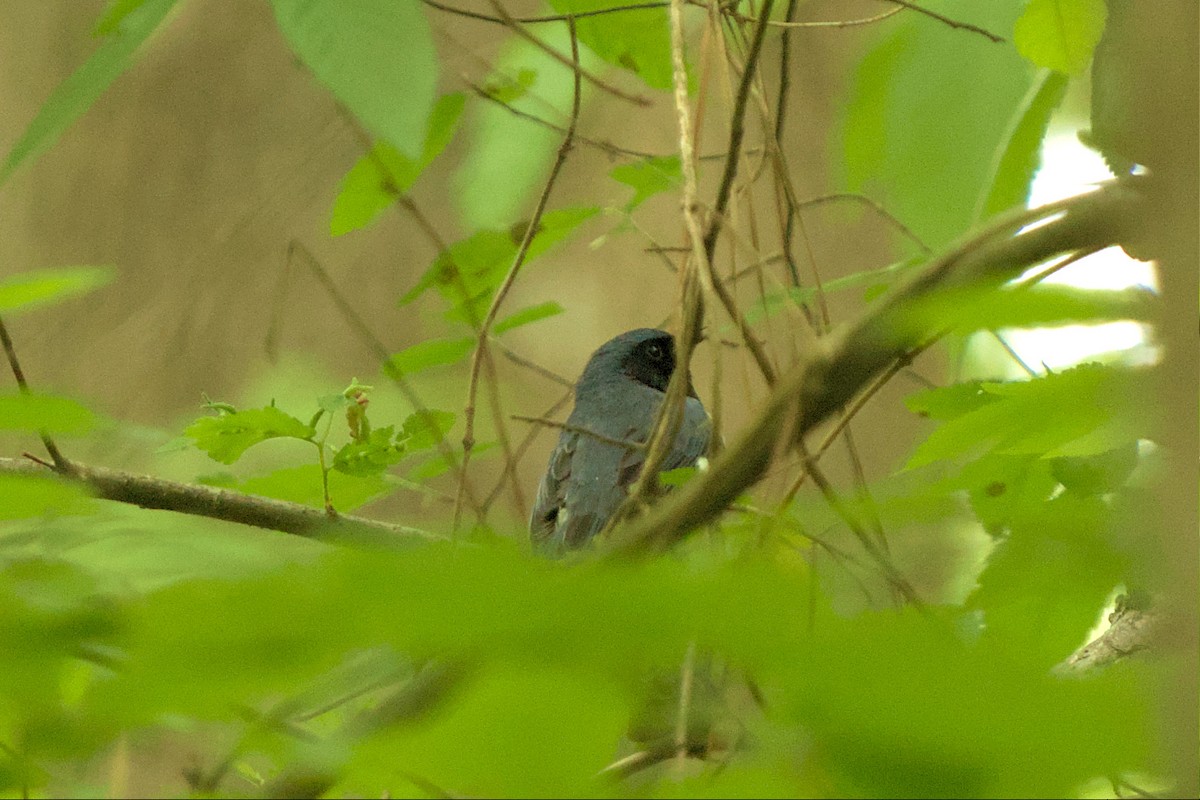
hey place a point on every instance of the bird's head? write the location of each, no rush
(645, 355)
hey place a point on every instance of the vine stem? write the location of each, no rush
(518, 260)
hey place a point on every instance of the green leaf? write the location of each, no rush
(1086, 410)
(1020, 157)
(378, 179)
(1098, 474)
(302, 484)
(376, 56)
(949, 402)
(898, 143)
(44, 412)
(76, 94)
(639, 41)
(506, 89)
(526, 316)
(227, 436)
(1042, 305)
(470, 272)
(508, 157)
(424, 429)
(1060, 34)
(45, 286)
(371, 457)
(112, 17)
(35, 495)
(648, 177)
(1045, 585)
(430, 353)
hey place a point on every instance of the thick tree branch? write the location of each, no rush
(850, 356)
(228, 505)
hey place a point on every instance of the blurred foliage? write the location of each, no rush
(469, 666)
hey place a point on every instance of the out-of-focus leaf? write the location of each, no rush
(639, 41)
(371, 457)
(468, 274)
(378, 179)
(506, 89)
(876, 281)
(1041, 305)
(431, 353)
(44, 412)
(76, 94)
(1098, 474)
(508, 156)
(1046, 583)
(898, 143)
(34, 495)
(1060, 34)
(526, 316)
(949, 402)
(648, 177)
(1020, 156)
(424, 429)
(45, 286)
(512, 718)
(117, 11)
(376, 56)
(226, 436)
(302, 484)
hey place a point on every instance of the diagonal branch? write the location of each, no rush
(853, 354)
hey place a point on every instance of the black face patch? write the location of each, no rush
(652, 362)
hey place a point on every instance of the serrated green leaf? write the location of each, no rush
(226, 437)
(376, 56)
(302, 484)
(431, 353)
(45, 286)
(648, 177)
(76, 94)
(1085, 410)
(378, 179)
(526, 316)
(372, 457)
(949, 402)
(1020, 157)
(34, 495)
(1060, 34)
(424, 429)
(44, 412)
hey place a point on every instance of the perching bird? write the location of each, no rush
(617, 397)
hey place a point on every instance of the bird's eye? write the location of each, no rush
(655, 352)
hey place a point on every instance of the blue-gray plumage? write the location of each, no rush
(617, 397)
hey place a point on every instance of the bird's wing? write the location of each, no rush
(692, 440)
(552, 492)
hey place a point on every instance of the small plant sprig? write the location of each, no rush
(229, 433)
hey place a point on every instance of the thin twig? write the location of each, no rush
(518, 260)
(600, 437)
(571, 63)
(61, 464)
(953, 23)
(231, 506)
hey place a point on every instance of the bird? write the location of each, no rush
(617, 399)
